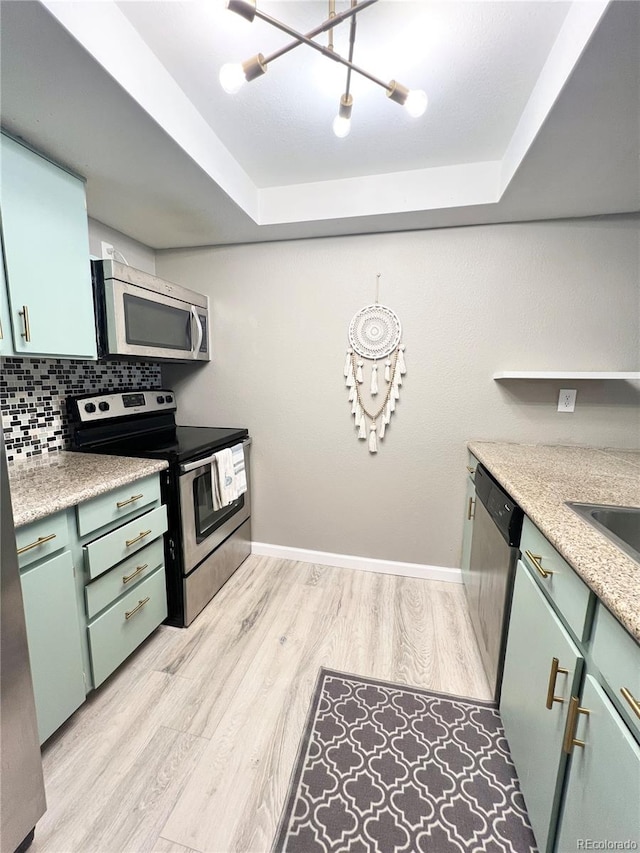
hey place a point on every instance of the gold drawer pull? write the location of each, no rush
(572, 719)
(536, 559)
(138, 607)
(130, 500)
(470, 515)
(27, 328)
(551, 689)
(631, 699)
(137, 538)
(471, 470)
(139, 569)
(39, 541)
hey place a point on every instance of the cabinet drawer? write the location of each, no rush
(42, 538)
(116, 546)
(123, 577)
(570, 594)
(121, 628)
(617, 656)
(122, 503)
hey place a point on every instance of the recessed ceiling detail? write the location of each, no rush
(489, 97)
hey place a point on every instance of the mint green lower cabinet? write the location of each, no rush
(121, 628)
(535, 732)
(602, 799)
(53, 634)
(467, 530)
(124, 541)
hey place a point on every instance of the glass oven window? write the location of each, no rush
(208, 519)
(153, 324)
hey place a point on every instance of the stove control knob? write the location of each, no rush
(169, 398)
(90, 408)
(160, 399)
(103, 406)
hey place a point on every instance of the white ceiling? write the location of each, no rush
(533, 113)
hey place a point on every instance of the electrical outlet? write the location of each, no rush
(106, 250)
(567, 400)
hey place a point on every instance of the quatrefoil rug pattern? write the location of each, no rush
(386, 768)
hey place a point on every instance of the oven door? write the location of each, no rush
(204, 528)
(150, 325)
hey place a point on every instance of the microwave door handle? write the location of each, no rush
(196, 319)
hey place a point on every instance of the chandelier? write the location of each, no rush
(233, 75)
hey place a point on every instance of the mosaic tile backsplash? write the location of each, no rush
(33, 397)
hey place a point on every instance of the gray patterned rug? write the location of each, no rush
(385, 768)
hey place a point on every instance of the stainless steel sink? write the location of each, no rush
(621, 524)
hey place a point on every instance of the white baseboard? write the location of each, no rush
(364, 564)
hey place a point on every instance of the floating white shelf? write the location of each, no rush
(630, 375)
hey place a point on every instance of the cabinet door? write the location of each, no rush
(467, 530)
(46, 245)
(53, 633)
(534, 732)
(602, 800)
(6, 341)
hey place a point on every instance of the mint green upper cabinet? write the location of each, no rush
(6, 340)
(46, 245)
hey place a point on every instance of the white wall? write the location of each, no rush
(137, 254)
(548, 295)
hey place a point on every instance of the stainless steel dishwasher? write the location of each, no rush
(489, 582)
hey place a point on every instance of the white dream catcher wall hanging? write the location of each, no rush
(374, 336)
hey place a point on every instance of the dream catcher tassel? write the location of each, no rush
(350, 381)
(391, 404)
(373, 443)
(383, 426)
(352, 395)
(395, 392)
(362, 433)
(355, 410)
(374, 380)
(359, 372)
(400, 363)
(347, 363)
(387, 371)
(387, 414)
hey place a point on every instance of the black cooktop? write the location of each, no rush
(180, 444)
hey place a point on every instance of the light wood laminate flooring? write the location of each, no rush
(189, 746)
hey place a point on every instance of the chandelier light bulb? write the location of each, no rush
(232, 77)
(341, 126)
(416, 103)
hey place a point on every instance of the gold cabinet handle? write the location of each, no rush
(570, 729)
(551, 689)
(471, 470)
(140, 536)
(631, 699)
(139, 569)
(27, 328)
(536, 559)
(470, 514)
(39, 541)
(130, 500)
(138, 607)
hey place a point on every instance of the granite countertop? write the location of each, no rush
(542, 477)
(42, 485)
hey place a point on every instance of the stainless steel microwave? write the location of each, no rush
(141, 316)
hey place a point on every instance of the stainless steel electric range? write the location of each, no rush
(203, 546)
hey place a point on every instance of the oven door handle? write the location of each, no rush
(200, 463)
(196, 319)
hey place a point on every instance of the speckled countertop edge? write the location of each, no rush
(542, 477)
(52, 482)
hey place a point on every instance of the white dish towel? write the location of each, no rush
(240, 474)
(222, 479)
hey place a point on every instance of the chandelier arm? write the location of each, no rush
(305, 38)
(352, 42)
